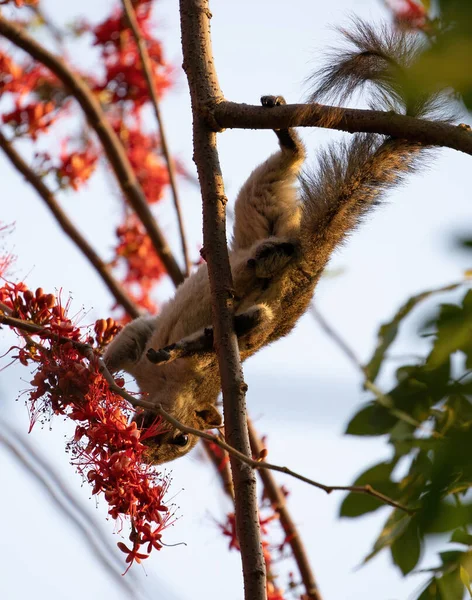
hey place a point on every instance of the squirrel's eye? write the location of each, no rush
(180, 440)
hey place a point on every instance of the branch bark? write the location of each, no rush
(205, 92)
(115, 288)
(230, 115)
(148, 74)
(110, 141)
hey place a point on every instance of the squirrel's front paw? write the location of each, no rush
(271, 101)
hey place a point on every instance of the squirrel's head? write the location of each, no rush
(169, 442)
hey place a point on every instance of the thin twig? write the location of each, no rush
(56, 33)
(138, 402)
(256, 464)
(383, 399)
(112, 146)
(67, 506)
(103, 270)
(149, 75)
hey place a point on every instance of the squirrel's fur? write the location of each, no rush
(283, 238)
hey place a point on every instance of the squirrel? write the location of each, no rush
(283, 238)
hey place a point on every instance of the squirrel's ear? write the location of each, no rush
(210, 416)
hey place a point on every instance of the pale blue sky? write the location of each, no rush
(302, 390)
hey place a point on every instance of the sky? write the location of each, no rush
(302, 390)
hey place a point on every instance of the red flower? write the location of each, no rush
(144, 155)
(124, 79)
(143, 266)
(76, 167)
(31, 119)
(20, 3)
(409, 13)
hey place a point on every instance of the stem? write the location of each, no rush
(149, 75)
(115, 288)
(110, 141)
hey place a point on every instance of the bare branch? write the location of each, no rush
(222, 466)
(110, 141)
(230, 115)
(204, 92)
(277, 498)
(147, 69)
(103, 270)
(67, 506)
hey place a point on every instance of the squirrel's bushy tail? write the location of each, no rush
(352, 176)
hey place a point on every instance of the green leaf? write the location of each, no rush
(447, 587)
(450, 586)
(465, 578)
(378, 476)
(451, 556)
(461, 537)
(395, 526)
(406, 548)
(373, 419)
(388, 331)
(454, 332)
(445, 517)
(430, 592)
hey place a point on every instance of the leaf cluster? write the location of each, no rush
(427, 418)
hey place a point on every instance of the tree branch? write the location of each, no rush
(222, 466)
(115, 288)
(147, 69)
(204, 92)
(277, 498)
(110, 141)
(230, 115)
(66, 504)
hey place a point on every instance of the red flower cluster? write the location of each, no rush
(20, 3)
(10, 74)
(409, 14)
(31, 119)
(124, 78)
(38, 100)
(76, 168)
(143, 154)
(105, 330)
(106, 449)
(23, 81)
(143, 266)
